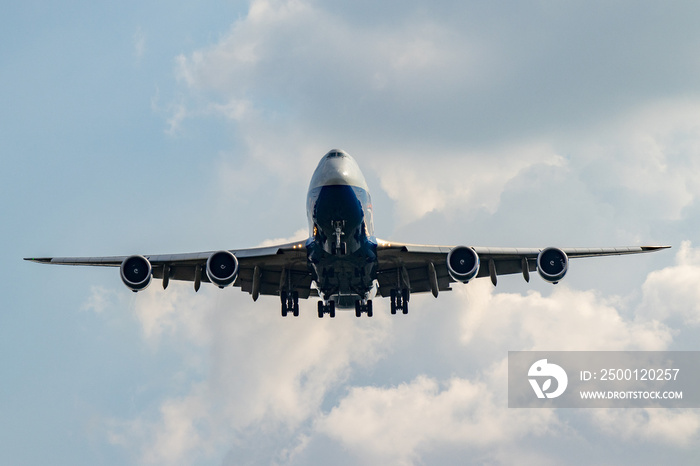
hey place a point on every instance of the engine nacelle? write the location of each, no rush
(462, 263)
(552, 264)
(222, 268)
(136, 272)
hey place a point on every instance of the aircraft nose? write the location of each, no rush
(337, 168)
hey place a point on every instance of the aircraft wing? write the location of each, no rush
(283, 264)
(416, 266)
(420, 268)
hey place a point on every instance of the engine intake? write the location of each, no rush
(222, 268)
(462, 263)
(136, 272)
(552, 264)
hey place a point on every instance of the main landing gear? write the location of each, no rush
(366, 308)
(399, 300)
(290, 302)
(326, 309)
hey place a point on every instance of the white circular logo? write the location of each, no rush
(542, 370)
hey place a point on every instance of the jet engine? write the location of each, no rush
(552, 264)
(136, 272)
(222, 268)
(462, 263)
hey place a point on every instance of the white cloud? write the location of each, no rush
(674, 291)
(100, 298)
(412, 72)
(409, 422)
(272, 378)
(181, 433)
(677, 428)
(397, 425)
(462, 182)
(646, 158)
(379, 101)
(566, 320)
(328, 76)
(299, 235)
(265, 374)
(640, 166)
(454, 111)
(139, 40)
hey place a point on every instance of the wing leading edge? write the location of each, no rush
(423, 268)
(417, 268)
(263, 270)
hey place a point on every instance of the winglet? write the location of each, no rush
(41, 260)
(654, 248)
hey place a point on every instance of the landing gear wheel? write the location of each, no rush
(326, 309)
(366, 308)
(399, 300)
(290, 302)
(285, 309)
(295, 303)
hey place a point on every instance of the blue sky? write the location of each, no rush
(152, 128)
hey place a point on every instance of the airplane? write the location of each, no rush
(342, 262)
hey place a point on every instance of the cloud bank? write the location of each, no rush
(293, 391)
(482, 122)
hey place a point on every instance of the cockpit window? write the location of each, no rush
(335, 153)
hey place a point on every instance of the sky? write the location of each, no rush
(149, 127)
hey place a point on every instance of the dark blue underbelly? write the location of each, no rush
(338, 203)
(342, 253)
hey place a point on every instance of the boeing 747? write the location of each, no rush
(342, 262)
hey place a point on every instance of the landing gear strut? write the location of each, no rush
(290, 302)
(326, 309)
(399, 300)
(366, 308)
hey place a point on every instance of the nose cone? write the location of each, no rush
(337, 168)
